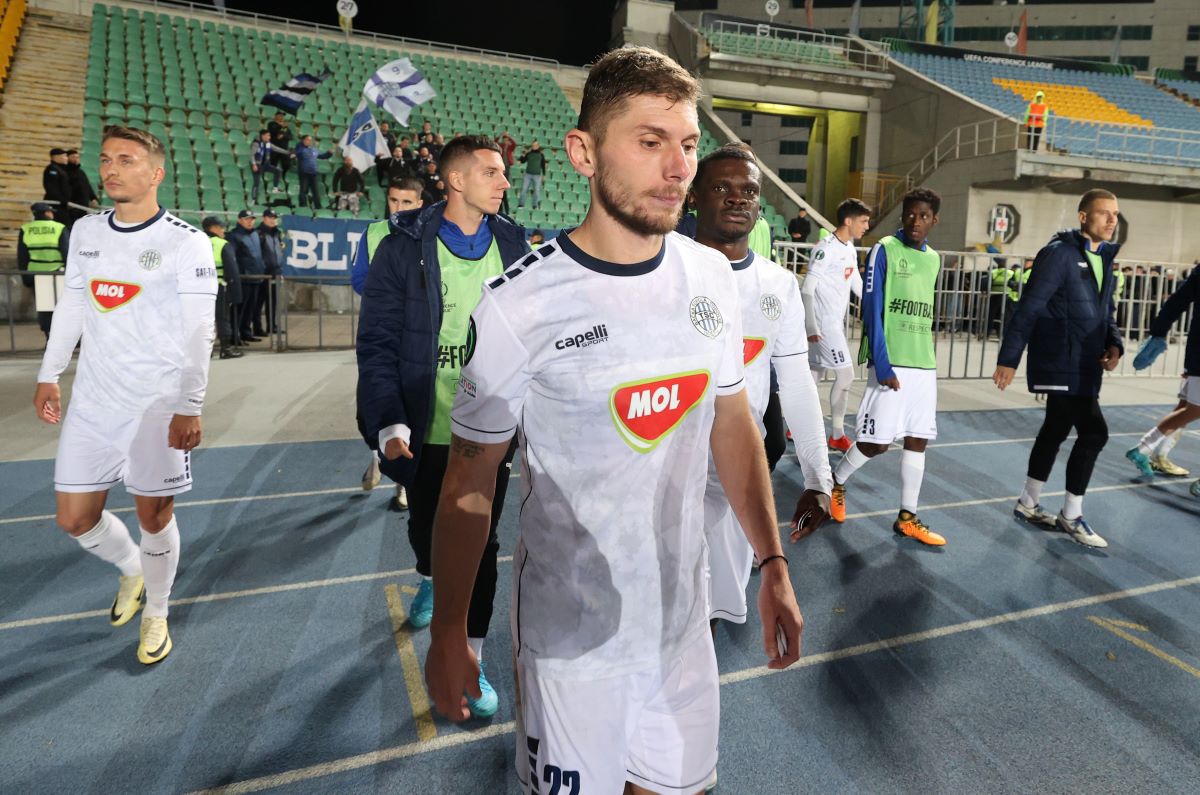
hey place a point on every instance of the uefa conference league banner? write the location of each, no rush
(321, 247)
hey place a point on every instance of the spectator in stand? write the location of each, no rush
(385, 129)
(229, 292)
(248, 247)
(272, 247)
(535, 168)
(431, 178)
(281, 139)
(307, 156)
(395, 166)
(348, 186)
(508, 145)
(56, 185)
(42, 246)
(438, 144)
(262, 163)
(426, 129)
(800, 227)
(424, 158)
(439, 190)
(82, 192)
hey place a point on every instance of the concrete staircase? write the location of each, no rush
(41, 107)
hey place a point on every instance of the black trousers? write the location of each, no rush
(224, 328)
(1064, 412)
(776, 441)
(1032, 136)
(422, 506)
(250, 303)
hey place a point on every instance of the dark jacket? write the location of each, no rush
(1188, 294)
(272, 248)
(56, 184)
(233, 277)
(1064, 319)
(348, 182)
(81, 187)
(248, 245)
(399, 326)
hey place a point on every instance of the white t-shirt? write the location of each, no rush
(132, 350)
(610, 373)
(832, 276)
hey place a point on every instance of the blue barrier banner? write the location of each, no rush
(321, 246)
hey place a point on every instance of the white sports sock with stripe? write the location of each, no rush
(109, 540)
(160, 560)
(1149, 441)
(912, 472)
(851, 461)
(1168, 443)
(1032, 493)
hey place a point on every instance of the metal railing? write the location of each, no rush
(1125, 142)
(808, 47)
(971, 310)
(987, 137)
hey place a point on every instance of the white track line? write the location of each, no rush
(734, 677)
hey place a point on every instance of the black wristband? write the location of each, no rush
(770, 558)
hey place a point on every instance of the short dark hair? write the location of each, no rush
(927, 195)
(462, 147)
(407, 183)
(1086, 200)
(72, 152)
(851, 208)
(730, 151)
(264, 132)
(631, 72)
(151, 142)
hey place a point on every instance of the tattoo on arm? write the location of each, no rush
(465, 448)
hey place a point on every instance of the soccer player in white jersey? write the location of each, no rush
(832, 276)
(139, 300)
(725, 196)
(614, 353)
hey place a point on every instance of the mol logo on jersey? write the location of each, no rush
(751, 348)
(646, 411)
(110, 295)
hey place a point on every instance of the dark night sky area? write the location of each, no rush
(570, 31)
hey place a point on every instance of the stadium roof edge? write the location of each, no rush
(266, 21)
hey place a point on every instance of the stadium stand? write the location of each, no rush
(197, 85)
(772, 46)
(1176, 82)
(12, 16)
(1092, 112)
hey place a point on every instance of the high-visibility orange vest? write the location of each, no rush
(1036, 114)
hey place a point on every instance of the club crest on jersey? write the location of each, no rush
(771, 306)
(705, 316)
(751, 348)
(149, 260)
(110, 295)
(646, 411)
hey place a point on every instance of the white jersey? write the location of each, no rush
(832, 276)
(610, 373)
(132, 349)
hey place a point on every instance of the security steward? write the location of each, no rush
(42, 248)
(229, 287)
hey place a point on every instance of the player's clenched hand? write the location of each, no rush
(46, 403)
(814, 338)
(1003, 376)
(396, 448)
(184, 432)
(780, 615)
(1111, 357)
(892, 383)
(812, 509)
(451, 671)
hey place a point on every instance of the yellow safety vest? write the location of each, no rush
(218, 245)
(42, 239)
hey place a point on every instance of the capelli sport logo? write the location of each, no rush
(646, 411)
(111, 295)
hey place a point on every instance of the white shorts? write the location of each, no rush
(831, 351)
(1189, 389)
(730, 555)
(656, 728)
(97, 449)
(886, 415)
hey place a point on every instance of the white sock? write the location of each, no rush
(1149, 441)
(912, 472)
(476, 645)
(109, 540)
(1168, 443)
(839, 395)
(1073, 506)
(160, 559)
(851, 461)
(1032, 494)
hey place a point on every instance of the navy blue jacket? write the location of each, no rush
(399, 326)
(1065, 319)
(247, 244)
(1187, 295)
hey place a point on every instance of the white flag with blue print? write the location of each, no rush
(398, 88)
(362, 141)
